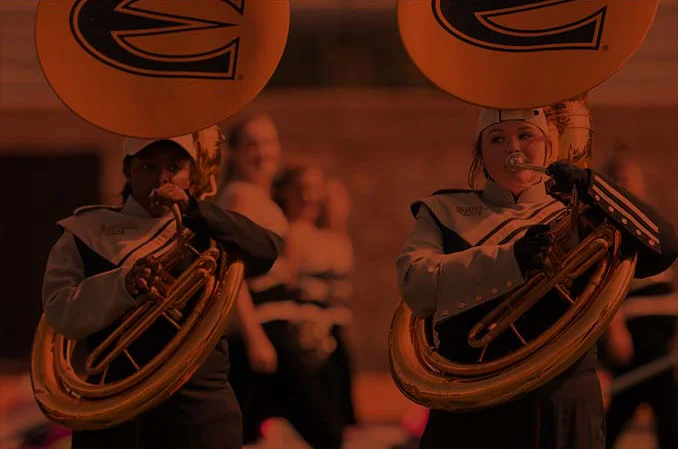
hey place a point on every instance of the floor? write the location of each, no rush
(282, 436)
(385, 412)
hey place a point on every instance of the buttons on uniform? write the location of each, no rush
(624, 221)
(651, 243)
(444, 312)
(638, 232)
(479, 298)
(509, 284)
(611, 209)
(494, 291)
(597, 197)
(462, 305)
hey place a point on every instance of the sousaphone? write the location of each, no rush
(153, 69)
(515, 54)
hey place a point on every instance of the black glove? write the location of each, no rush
(190, 209)
(567, 176)
(530, 248)
(192, 217)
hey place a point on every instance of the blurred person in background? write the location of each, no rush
(642, 331)
(320, 258)
(254, 158)
(270, 373)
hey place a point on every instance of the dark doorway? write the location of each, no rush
(36, 193)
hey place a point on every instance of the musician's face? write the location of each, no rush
(158, 164)
(303, 198)
(257, 158)
(500, 140)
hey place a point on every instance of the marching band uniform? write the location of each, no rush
(323, 280)
(465, 252)
(650, 312)
(84, 295)
(293, 391)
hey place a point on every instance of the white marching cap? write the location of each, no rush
(491, 116)
(133, 145)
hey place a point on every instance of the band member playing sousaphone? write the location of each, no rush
(130, 352)
(506, 289)
(457, 264)
(104, 264)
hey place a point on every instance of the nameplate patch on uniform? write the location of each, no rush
(117, 228)
(471, 211)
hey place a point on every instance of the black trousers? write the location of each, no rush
(203, 414)
(660, 393)
(565, 414)
(336, 375)
(173, 426)
(293, 392)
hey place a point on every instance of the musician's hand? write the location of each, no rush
(262, 356)
(618, 340)
(567, 176)
(530, 250)
(605, 379)
(141, 278)
(168, 194)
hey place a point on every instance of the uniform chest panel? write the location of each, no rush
(480, 223)
(120, 238)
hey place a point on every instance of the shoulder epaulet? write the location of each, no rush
(447, 191)
(83, 209)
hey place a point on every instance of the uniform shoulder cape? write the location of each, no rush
(465, 213)
(117, 236)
